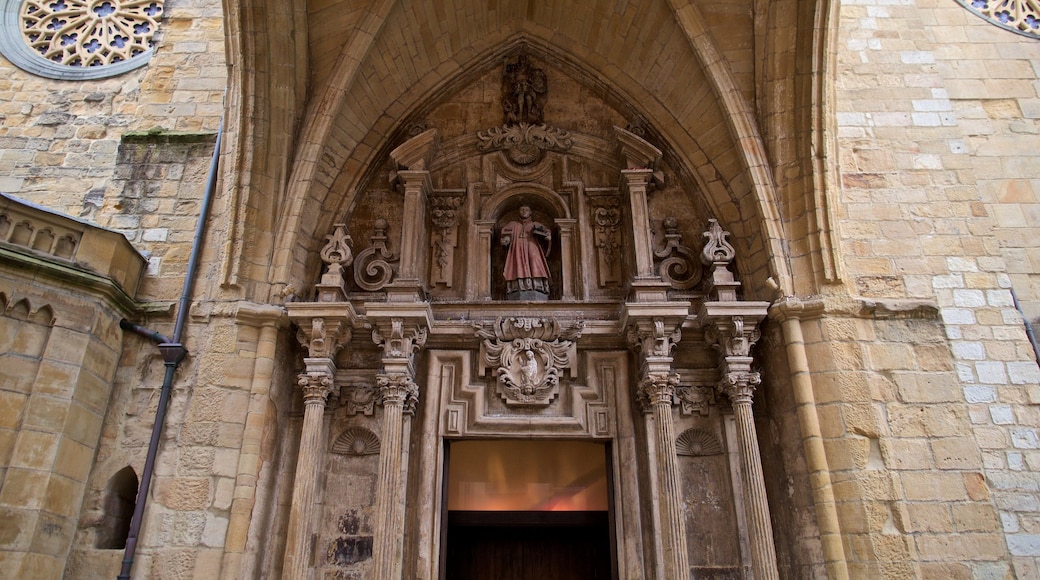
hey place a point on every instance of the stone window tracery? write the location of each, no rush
(79, 39)
(1019, 16)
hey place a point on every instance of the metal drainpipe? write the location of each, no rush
(1029, 326)
(173, 352)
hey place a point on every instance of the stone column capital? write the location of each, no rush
(399, 390)
(657, 388)
(317, 380)
(740, 386)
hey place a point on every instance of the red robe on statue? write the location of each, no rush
(526, 269)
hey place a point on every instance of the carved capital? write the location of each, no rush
(657, 388)
(655, 337)
(398, 389)
(732, 337)
(398, 339)
(316, 387)
(740, 385)
(323, 336)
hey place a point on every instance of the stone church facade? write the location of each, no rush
(778, 264)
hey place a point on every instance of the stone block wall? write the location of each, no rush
(60, 140)
(937, 116)
(60, 345)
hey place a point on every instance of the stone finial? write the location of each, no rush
(337, 257)
(717, 254)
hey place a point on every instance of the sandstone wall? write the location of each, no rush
(937, 115)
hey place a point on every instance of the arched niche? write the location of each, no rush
(120, 498)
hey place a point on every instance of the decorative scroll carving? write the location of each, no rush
(680, 266)
(524, 143)
(524, 88)
(528, 356)
(606, 217)
(445, 217)
(372, 269)
(697, 443)
(695, 400)
(359, 399)
(356, 441)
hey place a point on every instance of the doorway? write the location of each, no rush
(528, 510)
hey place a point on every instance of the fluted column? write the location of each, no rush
(316, 383)
(401, 331)
(398, 392)
(658, 392)
(738, 383)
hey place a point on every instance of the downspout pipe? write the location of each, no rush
(1029, 326)
(173, 352)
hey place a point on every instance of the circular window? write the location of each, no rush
(1020, 16)
(78, 39)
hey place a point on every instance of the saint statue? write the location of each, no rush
(526, 272)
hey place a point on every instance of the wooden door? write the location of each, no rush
(528, 546)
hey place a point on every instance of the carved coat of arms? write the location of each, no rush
(528, 356)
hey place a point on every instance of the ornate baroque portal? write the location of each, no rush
(536, 269)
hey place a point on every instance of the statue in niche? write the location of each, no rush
(527, 244)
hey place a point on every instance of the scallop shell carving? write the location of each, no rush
(697, 442)
(356, 441)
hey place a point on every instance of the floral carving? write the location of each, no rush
(528, 355)
(337, 255)
(524, 143)
(655, 339)
(679, 266)
(400, 342)
(372, 269)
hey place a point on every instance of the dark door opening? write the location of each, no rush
(527, 510)
(528, 546)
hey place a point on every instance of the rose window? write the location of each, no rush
(1021, 16)
(79, 39)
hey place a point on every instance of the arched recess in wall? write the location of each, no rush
(327, 182)
(117, 510)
